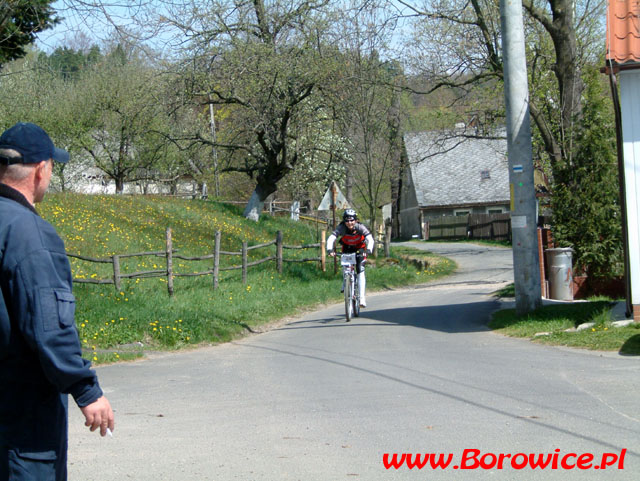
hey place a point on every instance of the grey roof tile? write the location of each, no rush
(447, 168)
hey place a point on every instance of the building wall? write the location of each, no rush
(629, 102)
(409, 213)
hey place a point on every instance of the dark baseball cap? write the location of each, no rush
(32, 142)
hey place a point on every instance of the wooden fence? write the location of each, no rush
(490, 226)
(474, 226)
(449, 227)
(170, 254)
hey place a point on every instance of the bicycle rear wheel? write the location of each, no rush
(348, 304)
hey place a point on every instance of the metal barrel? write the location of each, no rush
(559, 262)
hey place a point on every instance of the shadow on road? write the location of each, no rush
(631, 347)
(450, 318)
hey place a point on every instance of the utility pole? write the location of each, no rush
(526, 267)
(214, 151)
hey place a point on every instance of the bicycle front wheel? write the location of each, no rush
(356, 297)
(348, 305)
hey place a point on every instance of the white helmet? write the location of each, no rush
(350, 214)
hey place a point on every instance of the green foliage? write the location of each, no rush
(121, 118)
(259, 63)
(67, 62)
(555, 324)
(20, 21)
(586, 208)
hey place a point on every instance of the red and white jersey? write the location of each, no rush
(352, 240)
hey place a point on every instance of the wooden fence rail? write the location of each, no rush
(170, 254)
(474, 226)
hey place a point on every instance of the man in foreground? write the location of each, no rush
(40, 356)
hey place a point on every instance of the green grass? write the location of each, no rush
(559, 321)
(140, 316)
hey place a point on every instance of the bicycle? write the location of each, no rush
(351, 286)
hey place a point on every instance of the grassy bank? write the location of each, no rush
(556, 324)
(116, 325)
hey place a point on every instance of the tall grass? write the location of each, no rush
(141, 315)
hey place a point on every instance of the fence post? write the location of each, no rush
(387, 241)
(323, 250)
(244, 262)
(116, 271)
(279, 251)
(169, 262)
(216, 258)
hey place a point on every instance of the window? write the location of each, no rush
(494, 210)
(461, 212)
(485, 174)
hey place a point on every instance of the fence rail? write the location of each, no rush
(170, 254)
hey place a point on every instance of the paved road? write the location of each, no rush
(320, 399)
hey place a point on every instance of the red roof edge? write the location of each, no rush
(623, 34)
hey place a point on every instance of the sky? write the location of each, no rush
(84, 24)
(81, 23)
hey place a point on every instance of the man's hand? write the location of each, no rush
(332, 253)
(99, 414)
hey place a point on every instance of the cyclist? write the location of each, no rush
(354, 238)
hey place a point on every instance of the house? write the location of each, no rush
(623, 59)
(452, 173)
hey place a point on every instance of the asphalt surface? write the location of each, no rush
(320, 399)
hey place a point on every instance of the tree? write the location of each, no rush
(461, 42)
(20, 21)
(586, 202)
(365, 102)
(260, 62)
(68, 62)
(322, 157)
(368, 117)
(122, 114)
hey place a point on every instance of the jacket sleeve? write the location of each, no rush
(370, 242)
(42, 289)
(330, 241)
(340, 230)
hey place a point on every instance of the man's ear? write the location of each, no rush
(41, 168)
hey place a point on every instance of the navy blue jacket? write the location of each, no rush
(40, 354)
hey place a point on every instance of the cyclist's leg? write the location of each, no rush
(362, 282)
